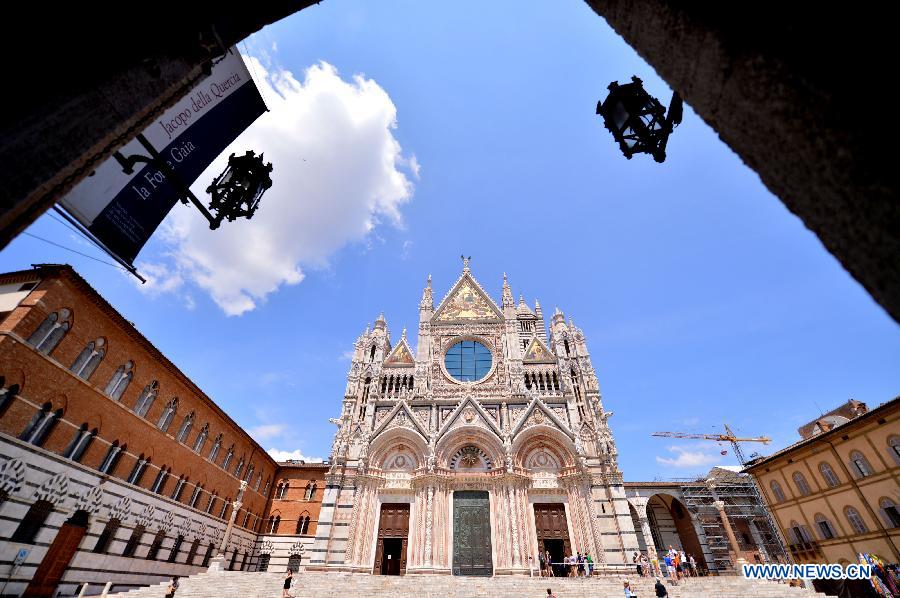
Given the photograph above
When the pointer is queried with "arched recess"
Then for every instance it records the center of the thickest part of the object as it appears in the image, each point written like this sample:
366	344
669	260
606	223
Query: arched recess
483	439
671	524
536	439
388	444
636	521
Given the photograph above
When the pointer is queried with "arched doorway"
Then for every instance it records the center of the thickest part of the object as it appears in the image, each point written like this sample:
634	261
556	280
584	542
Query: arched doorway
671	524
58	556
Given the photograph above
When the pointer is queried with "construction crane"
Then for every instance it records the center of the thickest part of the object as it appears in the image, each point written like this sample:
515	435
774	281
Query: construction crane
728	436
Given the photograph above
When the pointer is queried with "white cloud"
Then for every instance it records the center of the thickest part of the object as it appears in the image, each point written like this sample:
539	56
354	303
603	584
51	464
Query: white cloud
294	455
267	431
336	177
686	458
161	278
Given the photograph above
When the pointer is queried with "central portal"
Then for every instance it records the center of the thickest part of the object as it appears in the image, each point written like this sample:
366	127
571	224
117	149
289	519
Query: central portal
472	533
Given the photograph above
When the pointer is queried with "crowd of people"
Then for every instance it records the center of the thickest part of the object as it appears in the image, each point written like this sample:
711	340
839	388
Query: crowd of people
676	565
574	565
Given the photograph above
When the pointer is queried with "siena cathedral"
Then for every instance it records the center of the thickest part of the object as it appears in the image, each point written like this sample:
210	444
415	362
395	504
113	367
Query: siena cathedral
469	453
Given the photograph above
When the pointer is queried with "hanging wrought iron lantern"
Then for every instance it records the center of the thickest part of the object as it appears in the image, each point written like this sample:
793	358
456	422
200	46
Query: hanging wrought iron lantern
637	120
237	191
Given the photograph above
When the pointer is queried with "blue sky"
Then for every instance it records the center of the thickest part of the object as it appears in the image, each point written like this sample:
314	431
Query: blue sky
471	129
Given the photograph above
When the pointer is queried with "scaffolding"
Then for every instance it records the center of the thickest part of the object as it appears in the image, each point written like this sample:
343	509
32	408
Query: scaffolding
743	503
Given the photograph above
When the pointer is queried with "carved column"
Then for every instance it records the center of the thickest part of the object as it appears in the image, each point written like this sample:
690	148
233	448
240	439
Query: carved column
429	523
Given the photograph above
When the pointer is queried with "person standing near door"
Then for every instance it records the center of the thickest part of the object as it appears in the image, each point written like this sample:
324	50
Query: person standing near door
549	564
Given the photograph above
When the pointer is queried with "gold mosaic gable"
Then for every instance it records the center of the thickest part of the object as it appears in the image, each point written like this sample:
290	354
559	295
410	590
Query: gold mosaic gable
538	353
467	302
400	356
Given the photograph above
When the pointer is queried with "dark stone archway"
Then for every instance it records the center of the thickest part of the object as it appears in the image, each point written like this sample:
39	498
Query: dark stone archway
669	519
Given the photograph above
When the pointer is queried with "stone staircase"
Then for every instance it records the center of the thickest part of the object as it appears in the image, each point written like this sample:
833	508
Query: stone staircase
236	584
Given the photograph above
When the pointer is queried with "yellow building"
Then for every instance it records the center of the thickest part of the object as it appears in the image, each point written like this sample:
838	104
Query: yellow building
836	492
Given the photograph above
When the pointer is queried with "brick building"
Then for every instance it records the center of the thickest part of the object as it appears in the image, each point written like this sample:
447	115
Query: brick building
292	517
114	466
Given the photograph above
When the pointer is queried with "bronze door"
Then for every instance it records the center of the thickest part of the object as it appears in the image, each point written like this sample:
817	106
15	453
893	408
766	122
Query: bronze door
552	531
472	533
393	534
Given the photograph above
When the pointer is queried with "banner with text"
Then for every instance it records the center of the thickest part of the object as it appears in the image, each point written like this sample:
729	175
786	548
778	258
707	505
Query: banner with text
123	210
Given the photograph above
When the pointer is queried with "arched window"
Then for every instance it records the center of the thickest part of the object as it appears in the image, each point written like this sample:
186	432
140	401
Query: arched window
860	465
120	381
32	523
79	443
831	479
266	489
89	358
228	456
112	457
799	534
776	491
107	536
195	495
7	395
894	448
249	473
280	491
225	508
185	428
51	331
372	353
566	345
258	482
207	556
889	513
800	482
214	451
176	546
179	488
246	519
160	482
168	414
137	472
155	546
134	541
856	522
148	395
274	521
201	438
211	503
192	553
41	424
239	468
826	530
310	491
303	523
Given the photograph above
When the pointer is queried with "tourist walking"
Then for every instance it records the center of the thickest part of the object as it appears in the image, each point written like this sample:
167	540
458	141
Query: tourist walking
670	570
287	584
550	593
590	564
580	562
542	562
627	588
549	564
661	591
693	564
645	564
638	564
170	589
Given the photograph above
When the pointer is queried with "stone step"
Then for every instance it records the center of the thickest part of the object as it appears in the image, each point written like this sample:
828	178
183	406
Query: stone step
237	584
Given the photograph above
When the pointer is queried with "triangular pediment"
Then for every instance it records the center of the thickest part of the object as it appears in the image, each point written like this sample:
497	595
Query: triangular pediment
401	416
467	301
538	413
538	352
469	413
401	355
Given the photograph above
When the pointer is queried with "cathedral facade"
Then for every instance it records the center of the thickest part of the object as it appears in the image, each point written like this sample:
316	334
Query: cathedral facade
471	453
